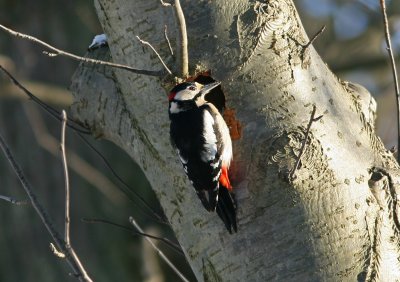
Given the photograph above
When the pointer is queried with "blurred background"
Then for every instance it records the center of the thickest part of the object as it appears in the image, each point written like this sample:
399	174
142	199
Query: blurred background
353	46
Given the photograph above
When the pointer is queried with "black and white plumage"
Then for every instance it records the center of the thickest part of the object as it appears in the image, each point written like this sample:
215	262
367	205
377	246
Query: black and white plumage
201	138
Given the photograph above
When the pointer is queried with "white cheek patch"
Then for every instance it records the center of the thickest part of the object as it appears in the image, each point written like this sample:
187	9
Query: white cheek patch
226	154
210	145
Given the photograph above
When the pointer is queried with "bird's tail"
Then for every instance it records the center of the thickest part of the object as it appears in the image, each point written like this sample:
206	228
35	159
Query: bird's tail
226	208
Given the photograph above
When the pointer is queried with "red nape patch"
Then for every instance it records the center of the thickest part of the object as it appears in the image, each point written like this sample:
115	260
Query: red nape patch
224	178
171	96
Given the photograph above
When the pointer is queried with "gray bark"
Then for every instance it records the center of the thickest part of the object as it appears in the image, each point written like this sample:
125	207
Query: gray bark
336	221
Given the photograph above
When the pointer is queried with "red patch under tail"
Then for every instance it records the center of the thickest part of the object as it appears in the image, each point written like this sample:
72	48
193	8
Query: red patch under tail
224	178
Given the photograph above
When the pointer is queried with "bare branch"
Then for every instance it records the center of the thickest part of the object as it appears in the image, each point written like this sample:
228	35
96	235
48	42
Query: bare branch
50	110
75	162
394	70
128	190
166	38
66	179
315	37
309	43
60	52
13	201
71	256
72	124
154	50
160	253
182	41
292	175
82	272
168	242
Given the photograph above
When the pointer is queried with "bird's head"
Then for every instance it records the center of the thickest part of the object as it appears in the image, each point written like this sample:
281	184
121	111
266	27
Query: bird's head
190	91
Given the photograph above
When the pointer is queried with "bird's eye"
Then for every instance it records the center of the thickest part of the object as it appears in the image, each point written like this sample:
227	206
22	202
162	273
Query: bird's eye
192	88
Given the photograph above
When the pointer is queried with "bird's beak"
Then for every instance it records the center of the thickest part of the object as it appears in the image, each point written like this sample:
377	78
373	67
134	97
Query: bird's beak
208	87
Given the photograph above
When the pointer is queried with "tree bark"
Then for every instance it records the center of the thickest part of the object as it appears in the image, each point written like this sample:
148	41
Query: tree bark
336	221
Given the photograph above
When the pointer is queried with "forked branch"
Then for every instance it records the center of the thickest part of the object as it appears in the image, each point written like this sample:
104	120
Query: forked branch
50	110
292	174
70	255
59	52
155	51
159	252
126	189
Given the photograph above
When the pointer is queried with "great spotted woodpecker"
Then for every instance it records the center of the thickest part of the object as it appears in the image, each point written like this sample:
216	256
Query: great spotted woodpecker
202	141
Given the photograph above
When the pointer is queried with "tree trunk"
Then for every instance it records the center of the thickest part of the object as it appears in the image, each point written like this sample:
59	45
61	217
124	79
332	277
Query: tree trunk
336	221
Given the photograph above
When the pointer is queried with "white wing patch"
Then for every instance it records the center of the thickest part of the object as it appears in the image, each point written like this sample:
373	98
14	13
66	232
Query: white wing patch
226	155
210	145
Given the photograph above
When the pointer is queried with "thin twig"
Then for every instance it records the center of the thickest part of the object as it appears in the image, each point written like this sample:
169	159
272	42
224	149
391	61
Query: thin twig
71	123
303	145
182	41
311	41
166	38
394	70
315	37
75	162
60	52
168	242
66	179
50	110
128	190
13	201
154	50
71	257
159	252
82	272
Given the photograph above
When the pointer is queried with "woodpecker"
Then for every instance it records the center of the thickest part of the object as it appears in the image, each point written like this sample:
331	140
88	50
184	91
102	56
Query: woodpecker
202	141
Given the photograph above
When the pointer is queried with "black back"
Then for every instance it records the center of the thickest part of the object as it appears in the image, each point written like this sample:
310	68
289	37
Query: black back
187	134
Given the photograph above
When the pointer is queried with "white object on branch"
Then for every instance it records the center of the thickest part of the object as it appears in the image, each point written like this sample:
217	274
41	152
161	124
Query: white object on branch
99	40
